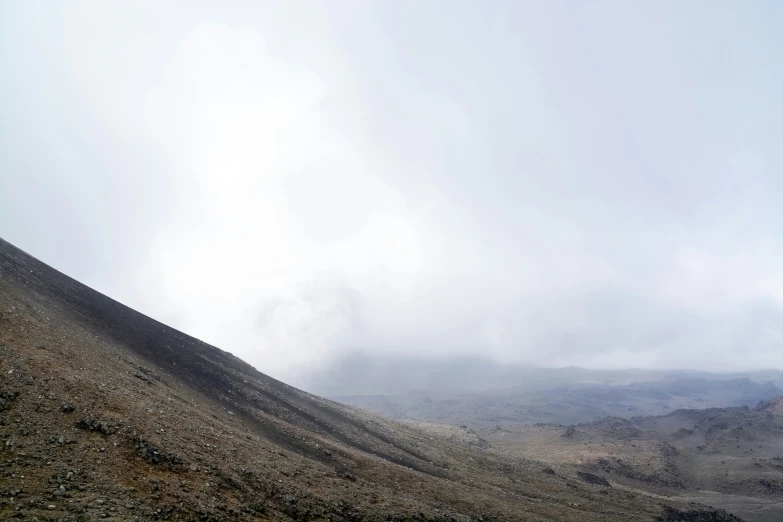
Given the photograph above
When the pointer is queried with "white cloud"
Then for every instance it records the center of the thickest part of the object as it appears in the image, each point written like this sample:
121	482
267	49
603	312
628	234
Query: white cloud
288	181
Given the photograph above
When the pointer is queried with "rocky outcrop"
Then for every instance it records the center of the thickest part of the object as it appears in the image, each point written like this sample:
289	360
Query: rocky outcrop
775	406
671	514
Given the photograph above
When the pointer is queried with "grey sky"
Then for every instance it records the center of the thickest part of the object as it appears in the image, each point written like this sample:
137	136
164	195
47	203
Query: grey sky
589	183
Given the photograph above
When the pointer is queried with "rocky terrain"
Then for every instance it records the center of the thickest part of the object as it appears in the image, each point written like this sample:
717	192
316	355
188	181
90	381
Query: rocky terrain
108	414
690	435
727	457
774	406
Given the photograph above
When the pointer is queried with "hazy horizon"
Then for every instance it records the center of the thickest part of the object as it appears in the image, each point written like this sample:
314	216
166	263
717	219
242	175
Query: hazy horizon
547	183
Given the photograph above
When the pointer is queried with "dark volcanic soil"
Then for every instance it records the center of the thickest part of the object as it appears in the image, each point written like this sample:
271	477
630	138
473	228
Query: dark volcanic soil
108	414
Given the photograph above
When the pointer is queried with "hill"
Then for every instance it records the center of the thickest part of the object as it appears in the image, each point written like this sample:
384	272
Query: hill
108	414
727	457
774	406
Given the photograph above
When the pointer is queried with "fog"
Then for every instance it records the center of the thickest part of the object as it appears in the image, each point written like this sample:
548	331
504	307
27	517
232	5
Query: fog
550	183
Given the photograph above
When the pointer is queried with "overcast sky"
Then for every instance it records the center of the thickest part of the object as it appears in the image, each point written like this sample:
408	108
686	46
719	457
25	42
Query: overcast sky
590	183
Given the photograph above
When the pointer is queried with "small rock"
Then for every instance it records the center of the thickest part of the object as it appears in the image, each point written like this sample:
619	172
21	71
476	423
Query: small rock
51	506
69	475
85	424
67	407
61	440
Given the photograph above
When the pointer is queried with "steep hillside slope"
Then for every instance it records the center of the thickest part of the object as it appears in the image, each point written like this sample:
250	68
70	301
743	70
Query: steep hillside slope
106	413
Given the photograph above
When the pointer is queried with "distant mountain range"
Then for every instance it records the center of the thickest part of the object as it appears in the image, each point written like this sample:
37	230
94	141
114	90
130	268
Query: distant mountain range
479	392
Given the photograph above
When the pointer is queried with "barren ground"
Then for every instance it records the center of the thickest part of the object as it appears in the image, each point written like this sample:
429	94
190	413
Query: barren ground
108	414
